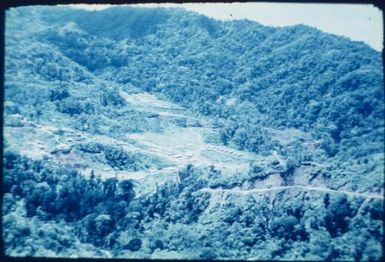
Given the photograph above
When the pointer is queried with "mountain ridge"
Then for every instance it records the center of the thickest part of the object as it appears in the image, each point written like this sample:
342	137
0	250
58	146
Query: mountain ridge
120	136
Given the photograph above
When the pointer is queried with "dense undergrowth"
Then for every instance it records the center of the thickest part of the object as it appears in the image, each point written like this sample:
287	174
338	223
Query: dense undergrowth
106	215
247	79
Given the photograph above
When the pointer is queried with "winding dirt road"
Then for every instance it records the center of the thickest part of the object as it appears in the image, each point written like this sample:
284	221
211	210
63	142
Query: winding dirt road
308	188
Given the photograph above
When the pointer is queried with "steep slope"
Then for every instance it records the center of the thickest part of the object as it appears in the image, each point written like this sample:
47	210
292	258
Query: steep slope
295	77
164	133
297	67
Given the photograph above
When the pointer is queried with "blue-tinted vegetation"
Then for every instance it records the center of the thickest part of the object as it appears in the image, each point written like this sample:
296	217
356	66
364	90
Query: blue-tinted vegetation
307	106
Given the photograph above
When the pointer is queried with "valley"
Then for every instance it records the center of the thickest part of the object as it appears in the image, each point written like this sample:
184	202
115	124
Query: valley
171	135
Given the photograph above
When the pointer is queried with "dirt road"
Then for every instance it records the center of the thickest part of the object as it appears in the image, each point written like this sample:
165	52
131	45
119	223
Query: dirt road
305	188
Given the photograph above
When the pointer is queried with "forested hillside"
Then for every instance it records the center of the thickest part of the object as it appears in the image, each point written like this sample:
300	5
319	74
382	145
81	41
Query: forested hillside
162	133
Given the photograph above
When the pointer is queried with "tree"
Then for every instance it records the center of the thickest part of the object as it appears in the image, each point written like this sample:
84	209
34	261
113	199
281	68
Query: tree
337	216
135	244
110	187
59	93
240	137
127	189
283	227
